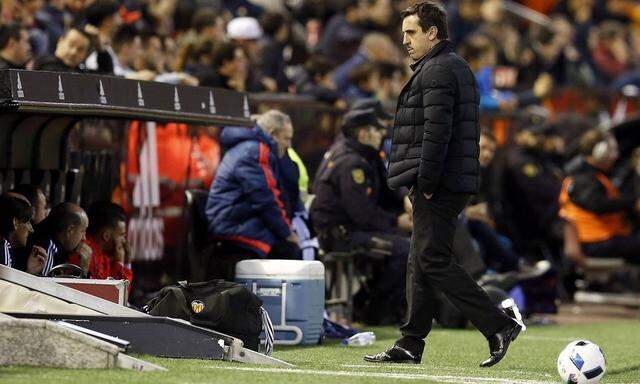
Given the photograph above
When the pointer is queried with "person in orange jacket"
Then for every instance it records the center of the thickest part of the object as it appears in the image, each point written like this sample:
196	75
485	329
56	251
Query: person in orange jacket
591	202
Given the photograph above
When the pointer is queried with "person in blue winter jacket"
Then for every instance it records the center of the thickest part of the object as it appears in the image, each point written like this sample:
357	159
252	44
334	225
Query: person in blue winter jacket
246	209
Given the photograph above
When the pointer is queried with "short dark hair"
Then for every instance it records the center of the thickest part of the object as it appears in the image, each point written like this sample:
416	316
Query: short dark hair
475	46
61	217
225	51
362	72
318	65
104	214
352	132
271	22
8	32
101	10
346	4
203	18
13	208
125	34
30	192
430	15
80	31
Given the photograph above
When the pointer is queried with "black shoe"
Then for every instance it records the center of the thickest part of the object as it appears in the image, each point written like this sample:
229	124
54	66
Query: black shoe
394	354
499	343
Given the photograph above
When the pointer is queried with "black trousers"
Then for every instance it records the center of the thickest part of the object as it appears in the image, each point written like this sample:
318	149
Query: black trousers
431	268
388	284
385	300
627	247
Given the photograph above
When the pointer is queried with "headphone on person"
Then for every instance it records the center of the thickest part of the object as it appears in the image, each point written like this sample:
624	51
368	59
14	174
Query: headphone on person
602	150
598	144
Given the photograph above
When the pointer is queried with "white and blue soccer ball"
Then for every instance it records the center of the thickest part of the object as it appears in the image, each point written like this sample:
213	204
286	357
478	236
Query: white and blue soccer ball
581	362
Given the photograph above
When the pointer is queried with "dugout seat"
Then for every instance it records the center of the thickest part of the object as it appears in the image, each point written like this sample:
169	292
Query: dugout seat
345	271
596	271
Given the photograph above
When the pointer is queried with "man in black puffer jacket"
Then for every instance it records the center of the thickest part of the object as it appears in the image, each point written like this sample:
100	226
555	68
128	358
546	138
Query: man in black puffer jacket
435	153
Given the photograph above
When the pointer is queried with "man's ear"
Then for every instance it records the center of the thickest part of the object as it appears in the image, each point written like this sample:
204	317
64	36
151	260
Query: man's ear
106	235
70	230
11	43
432	33
16	223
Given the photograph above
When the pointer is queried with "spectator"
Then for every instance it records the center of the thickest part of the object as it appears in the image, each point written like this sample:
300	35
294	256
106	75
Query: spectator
36	198
270	61
207	30
153	63
315	80
245	32
375	48
38	40
60	234
379	14
611	53
103	22
344	32
209	25
106	237
71	51
15	50
364	82
15	226
230	68
482	57
127	46
51	20
197	61
244	208
465	18
153	56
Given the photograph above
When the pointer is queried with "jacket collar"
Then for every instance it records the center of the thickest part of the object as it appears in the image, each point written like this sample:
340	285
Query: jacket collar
443	45
364	150
586	167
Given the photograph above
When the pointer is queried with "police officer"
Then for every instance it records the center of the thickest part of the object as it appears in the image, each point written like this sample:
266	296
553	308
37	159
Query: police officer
531	187
347	211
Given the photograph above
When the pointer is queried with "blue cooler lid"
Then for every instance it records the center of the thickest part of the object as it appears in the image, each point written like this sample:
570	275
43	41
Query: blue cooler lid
280	269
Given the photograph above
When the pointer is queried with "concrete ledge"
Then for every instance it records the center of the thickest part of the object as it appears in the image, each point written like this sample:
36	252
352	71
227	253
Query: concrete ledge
44	343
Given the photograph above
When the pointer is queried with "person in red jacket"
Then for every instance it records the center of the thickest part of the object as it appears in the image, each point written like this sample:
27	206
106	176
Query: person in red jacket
106	237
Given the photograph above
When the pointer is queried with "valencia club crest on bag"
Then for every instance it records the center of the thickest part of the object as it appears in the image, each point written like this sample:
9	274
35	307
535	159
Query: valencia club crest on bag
197	306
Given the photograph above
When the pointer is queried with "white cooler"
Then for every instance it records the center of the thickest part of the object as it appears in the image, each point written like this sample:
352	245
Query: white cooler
292	292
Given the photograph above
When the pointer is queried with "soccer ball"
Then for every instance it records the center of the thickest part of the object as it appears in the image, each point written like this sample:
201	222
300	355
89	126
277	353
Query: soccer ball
581	362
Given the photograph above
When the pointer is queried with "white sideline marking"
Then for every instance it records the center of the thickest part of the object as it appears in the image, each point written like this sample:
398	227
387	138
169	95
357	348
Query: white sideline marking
389	375
424	368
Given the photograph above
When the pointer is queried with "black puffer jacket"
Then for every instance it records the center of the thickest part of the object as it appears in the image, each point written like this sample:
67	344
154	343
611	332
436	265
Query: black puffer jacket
436	130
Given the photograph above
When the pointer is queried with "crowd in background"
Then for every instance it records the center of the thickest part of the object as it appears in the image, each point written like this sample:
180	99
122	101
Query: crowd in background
335	51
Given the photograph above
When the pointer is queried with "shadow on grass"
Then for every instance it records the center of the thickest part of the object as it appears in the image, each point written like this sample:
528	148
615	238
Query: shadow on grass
325	343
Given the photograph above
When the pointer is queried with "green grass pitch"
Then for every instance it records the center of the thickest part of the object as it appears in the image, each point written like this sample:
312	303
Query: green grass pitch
451	356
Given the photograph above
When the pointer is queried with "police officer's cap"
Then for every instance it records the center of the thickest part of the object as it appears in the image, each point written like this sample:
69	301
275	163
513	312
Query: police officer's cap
535	120
371	103
360	118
